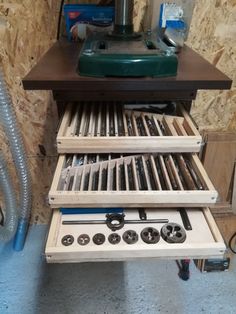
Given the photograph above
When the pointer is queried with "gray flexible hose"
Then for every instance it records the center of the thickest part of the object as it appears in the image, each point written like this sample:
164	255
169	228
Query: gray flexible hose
9	123
8	230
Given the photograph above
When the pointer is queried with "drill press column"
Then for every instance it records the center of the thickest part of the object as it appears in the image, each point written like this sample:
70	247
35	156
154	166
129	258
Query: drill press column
124	17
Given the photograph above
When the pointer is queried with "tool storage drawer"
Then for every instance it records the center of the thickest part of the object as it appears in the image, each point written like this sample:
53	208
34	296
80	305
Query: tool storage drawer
149	180
110	128
89	237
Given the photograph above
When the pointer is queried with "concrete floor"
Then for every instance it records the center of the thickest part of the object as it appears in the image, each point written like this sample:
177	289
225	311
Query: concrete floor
29	286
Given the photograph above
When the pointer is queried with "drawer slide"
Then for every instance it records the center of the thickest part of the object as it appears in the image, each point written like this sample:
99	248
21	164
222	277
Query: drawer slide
149	180
69	241
110	128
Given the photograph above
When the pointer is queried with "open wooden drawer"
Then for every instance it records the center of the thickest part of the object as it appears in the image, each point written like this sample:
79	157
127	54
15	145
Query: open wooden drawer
149	180
70	241
110	128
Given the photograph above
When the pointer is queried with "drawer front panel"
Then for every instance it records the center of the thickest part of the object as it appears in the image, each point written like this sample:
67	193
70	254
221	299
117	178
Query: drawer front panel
68	242
149	180
110	128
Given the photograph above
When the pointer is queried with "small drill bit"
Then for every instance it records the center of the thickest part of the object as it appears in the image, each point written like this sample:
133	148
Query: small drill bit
104	180
141	175
185	172
129	126
151	126
141	129
122	178
159	171
131	178
71	183
121	129
95	181
194	175
150	173
114	179
170	173
86	182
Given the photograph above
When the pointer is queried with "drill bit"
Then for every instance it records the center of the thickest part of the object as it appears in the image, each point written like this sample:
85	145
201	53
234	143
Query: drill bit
151	126
122	178
131	178
95	181
129	126
141	129
150	173
104	180
86	182
141	175
170	173
185	172
194	175
159	171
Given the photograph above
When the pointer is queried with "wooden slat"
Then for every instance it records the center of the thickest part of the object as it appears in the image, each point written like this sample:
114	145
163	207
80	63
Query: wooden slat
134	123
155	173
125	122
165	173
188	123
65	121
179	128
134	174
169	127
175	172
201	172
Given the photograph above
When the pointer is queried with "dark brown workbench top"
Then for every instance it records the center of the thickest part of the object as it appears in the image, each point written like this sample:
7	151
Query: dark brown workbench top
57	71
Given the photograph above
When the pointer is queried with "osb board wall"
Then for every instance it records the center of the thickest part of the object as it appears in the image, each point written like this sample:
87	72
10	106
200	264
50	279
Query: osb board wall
212	34
27	30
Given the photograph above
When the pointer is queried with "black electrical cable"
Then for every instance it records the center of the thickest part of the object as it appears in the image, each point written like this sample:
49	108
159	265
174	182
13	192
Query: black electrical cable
231	243
59	19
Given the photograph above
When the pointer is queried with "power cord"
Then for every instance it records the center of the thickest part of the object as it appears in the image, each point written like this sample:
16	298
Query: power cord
231	243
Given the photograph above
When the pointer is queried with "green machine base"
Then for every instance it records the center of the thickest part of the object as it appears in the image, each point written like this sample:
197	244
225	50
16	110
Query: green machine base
105	56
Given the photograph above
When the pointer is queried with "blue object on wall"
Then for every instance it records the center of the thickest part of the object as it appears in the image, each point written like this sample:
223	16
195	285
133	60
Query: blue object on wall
87	13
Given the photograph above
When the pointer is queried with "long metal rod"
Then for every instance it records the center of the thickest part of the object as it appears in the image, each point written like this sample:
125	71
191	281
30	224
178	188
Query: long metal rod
102	222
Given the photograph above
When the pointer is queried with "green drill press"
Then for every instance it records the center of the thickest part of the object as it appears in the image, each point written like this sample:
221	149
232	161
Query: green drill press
124	53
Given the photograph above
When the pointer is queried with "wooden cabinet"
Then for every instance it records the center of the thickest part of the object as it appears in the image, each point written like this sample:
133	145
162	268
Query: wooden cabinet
165	156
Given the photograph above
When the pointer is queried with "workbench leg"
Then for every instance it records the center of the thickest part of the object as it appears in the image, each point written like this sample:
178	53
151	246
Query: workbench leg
183	266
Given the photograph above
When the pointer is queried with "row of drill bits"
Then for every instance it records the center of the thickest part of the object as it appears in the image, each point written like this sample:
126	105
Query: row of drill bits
143	173
101	120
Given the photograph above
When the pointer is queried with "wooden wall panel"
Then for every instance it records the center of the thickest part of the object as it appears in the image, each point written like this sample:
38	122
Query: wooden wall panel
212	34
219	160
27	30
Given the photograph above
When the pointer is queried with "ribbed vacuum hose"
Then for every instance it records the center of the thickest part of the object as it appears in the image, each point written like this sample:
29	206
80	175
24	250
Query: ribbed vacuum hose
7	231
9	123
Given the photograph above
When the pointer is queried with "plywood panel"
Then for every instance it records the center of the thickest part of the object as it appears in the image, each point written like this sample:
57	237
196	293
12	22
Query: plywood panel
219	159
212	34
27	30
227	226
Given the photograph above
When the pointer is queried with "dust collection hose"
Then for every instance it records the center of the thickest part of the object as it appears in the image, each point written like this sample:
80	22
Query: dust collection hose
9	123
7	231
